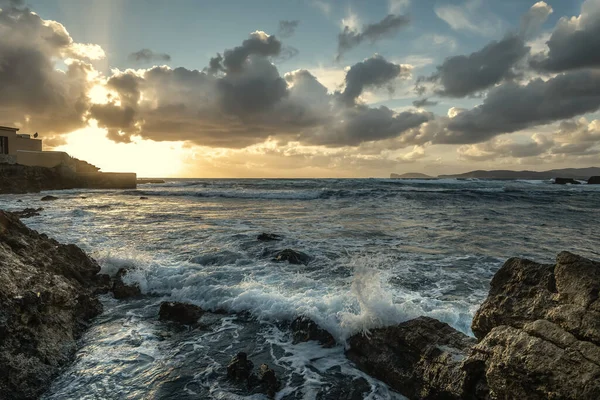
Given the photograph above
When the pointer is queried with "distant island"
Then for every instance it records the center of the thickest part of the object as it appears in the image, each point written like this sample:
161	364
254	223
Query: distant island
573	173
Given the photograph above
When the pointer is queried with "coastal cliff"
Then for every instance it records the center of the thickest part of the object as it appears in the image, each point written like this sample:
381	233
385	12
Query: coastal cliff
538	338
47	298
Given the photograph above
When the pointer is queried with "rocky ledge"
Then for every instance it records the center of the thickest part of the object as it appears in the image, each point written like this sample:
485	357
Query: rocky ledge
537	337
47	297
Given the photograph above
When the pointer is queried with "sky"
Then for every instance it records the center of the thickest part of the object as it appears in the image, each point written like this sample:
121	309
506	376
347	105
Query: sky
305	88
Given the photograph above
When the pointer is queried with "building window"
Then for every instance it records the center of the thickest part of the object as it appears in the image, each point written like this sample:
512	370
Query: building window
3	145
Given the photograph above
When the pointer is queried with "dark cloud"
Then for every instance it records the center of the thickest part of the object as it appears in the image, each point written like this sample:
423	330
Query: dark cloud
34	94
246	106
574	43
387	27
259	43
362	124
422	103
375	71
512	107
460	76
147	55
287	28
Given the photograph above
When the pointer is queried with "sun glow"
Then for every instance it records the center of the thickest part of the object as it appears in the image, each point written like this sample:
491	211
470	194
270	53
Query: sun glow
145	157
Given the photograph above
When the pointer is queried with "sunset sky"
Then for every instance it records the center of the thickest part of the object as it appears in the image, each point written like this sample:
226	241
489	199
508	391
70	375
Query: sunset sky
305	88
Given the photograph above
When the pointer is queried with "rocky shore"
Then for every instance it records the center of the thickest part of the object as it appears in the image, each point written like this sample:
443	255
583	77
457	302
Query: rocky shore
47	297
537	335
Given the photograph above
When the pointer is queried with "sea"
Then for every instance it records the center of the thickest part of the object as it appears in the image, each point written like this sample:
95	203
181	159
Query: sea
382	252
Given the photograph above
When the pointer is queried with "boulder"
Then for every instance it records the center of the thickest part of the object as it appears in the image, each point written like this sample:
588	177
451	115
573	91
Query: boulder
121	290
47	299
268	381
422	359
594	180
564	181
540	330
268	237
49	198
182	313
240	368
304	329
143	198
292	256
28	212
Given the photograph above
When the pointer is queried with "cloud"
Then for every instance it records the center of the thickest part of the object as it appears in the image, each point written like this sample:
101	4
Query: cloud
512	107
466	17
574	43
258	43
422	103
387	27
287	28
35	94
577	137
464	75
375	71
533	20
460	76
241	100
147	55
504	148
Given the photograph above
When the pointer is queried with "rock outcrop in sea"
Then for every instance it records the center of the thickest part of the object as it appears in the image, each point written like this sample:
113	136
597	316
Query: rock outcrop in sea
538	337
47	298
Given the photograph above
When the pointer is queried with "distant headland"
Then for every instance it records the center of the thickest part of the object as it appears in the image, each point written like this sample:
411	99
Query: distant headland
572	173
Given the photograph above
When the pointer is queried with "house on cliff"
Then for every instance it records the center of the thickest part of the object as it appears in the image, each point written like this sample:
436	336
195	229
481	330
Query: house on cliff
11	142
20	150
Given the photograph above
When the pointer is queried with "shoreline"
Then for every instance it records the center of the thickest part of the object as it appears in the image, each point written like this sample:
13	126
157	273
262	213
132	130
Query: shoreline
445	361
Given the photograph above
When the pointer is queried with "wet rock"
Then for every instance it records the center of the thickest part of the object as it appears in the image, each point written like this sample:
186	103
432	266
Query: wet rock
594	180
47	298
28	212
268	380
304	329
143	198
268	237
121	290
49	198
182	313
292	256
540	330
421	358
358	389
564	181
240	368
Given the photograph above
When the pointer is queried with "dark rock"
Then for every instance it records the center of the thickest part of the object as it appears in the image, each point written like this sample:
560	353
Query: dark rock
422	359
240	368
182	313
540	330
49	198
28	212
292	256
564	181
24	179
304	329
47	298
268	380
268	237
143	198
123	291
143	181
594	180
357	390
